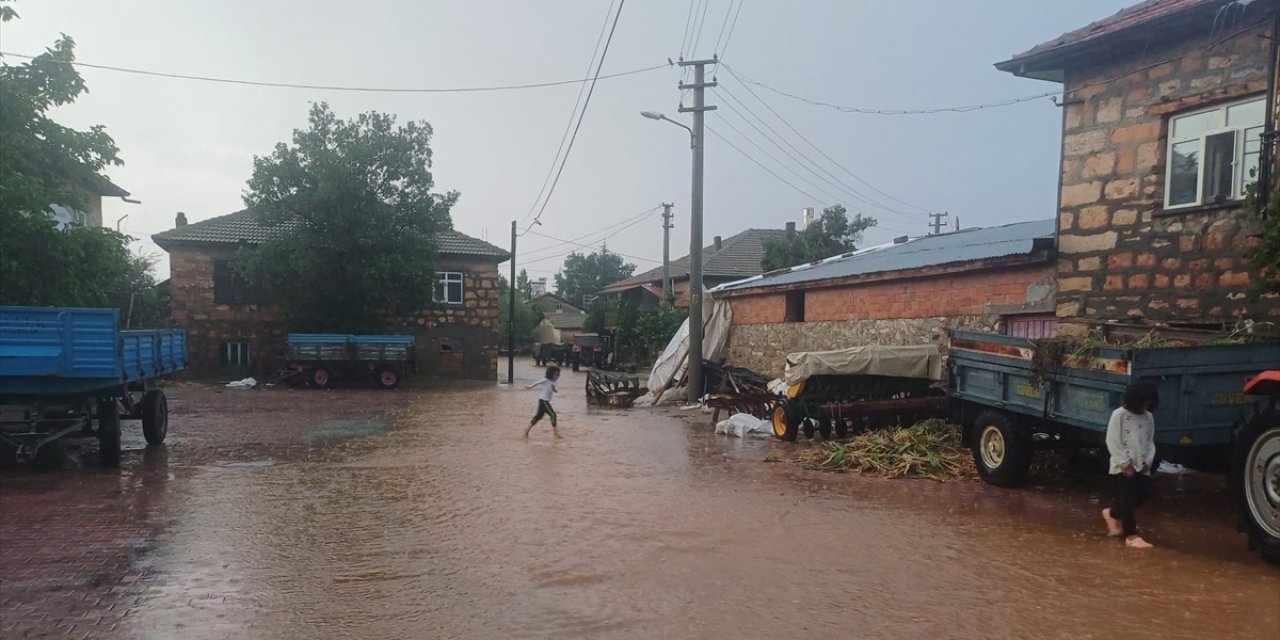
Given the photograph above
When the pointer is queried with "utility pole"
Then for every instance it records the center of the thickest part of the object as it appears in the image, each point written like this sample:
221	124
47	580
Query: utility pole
937	222
511	312
667	294
698	110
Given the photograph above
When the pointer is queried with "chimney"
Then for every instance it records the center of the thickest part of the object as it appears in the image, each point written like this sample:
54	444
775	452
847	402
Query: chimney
719	243
806	215
791	229
181	220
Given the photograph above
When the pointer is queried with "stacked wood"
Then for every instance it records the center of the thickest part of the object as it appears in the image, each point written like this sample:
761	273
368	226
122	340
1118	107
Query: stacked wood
613	389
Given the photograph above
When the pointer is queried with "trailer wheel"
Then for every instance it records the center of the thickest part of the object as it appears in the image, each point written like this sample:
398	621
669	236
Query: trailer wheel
388	378
1001	449
1255	482
786	424
842	428
824	428
108	433
806	427
155	416
320	378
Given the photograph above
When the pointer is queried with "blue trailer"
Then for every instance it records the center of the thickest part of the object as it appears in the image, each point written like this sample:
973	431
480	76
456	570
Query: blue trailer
1209	417
66	371
316	359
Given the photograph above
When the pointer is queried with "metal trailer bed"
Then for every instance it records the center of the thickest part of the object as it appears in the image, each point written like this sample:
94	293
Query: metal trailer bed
65	370
317	358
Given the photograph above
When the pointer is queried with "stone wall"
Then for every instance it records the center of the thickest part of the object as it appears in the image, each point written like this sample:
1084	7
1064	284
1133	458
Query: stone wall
1121	255
460	340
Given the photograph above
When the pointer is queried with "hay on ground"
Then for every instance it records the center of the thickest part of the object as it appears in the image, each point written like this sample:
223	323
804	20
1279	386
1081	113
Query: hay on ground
930	449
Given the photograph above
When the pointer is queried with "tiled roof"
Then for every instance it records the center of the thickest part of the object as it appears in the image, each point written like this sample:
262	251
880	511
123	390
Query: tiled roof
242	227
738	257
1044	60
1020	238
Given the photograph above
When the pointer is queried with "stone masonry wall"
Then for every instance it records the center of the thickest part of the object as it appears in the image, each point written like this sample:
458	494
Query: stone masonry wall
460	340
1120	255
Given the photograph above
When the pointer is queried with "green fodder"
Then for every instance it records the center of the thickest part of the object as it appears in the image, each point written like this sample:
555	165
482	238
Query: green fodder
929	449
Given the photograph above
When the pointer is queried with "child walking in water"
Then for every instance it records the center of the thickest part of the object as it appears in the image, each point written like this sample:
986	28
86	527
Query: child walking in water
1131	442
544	401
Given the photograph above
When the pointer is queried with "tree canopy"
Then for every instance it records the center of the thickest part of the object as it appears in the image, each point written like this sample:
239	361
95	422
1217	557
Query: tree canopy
354	221
43	164
830	235
586	274
1265	256
528	314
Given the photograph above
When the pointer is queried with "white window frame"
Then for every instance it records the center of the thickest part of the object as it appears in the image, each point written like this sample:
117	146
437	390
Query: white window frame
1237	162
443	280
236	353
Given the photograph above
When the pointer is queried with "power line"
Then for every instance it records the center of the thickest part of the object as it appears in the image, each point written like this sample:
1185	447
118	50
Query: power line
288	85
693	51
688	23
581	115
625	224
720	55
586	246
767	169
830	197
727	12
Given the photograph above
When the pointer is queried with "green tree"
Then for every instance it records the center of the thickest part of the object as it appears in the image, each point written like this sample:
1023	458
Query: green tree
353	221
1265	256
42	164
586	274
830	235
528	313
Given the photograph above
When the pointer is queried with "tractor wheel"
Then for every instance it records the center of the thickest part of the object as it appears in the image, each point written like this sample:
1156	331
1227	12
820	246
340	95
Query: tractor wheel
388	378
786	425
1255	482
320	378
1001	449
108	433
155	416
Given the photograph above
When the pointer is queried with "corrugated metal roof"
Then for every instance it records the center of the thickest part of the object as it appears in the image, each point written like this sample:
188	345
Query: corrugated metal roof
739	256
243	227
949	248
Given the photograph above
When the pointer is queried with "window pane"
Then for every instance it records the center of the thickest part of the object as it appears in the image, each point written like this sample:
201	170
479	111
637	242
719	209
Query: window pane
1253	140
1219	156
1193	124
455	292
1246	115
1184	173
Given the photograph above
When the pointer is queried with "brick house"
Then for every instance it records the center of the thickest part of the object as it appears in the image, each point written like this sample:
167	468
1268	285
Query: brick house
1164	107
232	324
725	260
95	189
908	292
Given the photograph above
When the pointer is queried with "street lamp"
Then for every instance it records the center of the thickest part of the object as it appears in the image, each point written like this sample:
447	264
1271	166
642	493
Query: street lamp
693	138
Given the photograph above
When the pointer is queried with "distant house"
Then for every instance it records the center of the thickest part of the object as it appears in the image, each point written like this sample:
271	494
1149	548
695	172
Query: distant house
725	260
91	215
1164	109
908	292
561	320
233	324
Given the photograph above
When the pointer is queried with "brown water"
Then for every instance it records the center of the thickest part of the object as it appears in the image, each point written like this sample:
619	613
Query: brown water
447	525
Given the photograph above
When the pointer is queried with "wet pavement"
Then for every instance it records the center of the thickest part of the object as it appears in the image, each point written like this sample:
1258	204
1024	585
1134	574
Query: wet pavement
420	513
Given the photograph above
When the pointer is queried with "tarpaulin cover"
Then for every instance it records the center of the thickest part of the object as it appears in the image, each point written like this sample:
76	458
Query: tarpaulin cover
917	361
671	365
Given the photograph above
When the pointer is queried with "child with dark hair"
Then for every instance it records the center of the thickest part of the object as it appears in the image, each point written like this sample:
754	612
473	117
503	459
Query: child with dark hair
1131	443
544	401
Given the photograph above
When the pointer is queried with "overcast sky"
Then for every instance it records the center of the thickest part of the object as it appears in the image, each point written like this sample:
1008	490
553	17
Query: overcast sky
188	146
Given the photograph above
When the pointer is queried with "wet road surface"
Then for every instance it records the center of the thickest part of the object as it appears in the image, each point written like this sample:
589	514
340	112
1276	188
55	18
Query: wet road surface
421	514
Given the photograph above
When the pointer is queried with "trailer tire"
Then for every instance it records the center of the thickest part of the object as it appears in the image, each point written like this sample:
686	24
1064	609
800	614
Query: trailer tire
786	424
824	428
388	378
1255	482
842	428
320	378
155	416
1001	449
806	427
108	433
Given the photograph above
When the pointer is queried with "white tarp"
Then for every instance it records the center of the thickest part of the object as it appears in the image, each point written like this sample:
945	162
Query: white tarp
916	361
671	365
743	425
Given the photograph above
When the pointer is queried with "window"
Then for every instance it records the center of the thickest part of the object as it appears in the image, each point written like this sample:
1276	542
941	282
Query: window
559	307
449	288
229	287
795	306
235	354
1213	153
1032	327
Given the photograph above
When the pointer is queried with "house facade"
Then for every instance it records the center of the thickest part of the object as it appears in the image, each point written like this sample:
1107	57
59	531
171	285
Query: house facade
233	325
1164	111
911	292
561	320
90	213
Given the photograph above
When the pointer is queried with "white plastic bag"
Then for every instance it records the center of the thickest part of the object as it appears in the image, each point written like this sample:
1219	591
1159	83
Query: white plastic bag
744	424
247	383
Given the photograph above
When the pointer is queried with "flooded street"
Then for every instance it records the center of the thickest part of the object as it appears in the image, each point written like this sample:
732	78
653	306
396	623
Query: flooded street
421	514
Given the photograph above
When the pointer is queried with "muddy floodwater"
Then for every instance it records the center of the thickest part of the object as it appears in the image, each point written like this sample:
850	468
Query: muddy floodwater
421	514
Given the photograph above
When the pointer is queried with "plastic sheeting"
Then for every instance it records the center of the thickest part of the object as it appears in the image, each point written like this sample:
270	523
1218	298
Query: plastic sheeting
670	366
916	361
743	425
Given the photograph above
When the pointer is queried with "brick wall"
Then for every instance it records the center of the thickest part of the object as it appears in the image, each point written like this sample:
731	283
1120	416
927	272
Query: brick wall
898	310
1121	256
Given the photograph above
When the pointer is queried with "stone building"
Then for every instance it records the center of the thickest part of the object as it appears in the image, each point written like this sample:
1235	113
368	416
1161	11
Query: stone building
909	292
1164	107
233	325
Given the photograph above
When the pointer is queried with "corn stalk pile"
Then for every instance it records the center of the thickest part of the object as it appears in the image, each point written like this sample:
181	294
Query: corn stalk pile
929	449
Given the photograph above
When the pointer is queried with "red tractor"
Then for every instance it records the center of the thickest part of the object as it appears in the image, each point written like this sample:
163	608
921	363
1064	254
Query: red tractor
1255	468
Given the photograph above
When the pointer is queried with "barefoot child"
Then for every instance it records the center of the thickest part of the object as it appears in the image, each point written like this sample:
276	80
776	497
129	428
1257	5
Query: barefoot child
544	402
1131	443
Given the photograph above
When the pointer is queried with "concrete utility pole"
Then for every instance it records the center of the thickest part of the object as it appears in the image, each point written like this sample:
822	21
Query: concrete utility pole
699	108
667	294
937	221
511	313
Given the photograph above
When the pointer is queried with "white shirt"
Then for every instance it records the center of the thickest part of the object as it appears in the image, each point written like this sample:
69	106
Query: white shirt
548	388
1131	440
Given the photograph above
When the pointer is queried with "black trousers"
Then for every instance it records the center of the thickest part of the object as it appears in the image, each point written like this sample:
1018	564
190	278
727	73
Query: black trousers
1131	492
